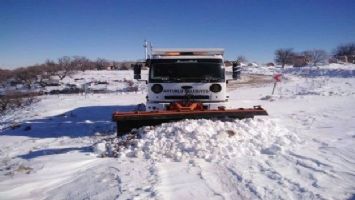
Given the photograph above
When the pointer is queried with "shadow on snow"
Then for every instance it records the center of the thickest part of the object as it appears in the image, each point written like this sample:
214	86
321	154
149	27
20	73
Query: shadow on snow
83	121
46	152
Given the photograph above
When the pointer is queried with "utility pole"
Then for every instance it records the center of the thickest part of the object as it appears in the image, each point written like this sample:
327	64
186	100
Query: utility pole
146	49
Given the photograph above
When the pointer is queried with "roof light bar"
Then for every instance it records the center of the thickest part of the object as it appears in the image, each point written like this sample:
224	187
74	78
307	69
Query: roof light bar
187	52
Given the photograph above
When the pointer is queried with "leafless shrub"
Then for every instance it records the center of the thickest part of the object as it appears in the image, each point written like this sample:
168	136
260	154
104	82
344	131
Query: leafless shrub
14	100
26	76
102	64
128	82
115	65
39	74
131	87
43	73
125	66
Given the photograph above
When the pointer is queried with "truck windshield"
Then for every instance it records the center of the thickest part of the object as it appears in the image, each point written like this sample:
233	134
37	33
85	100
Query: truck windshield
186	71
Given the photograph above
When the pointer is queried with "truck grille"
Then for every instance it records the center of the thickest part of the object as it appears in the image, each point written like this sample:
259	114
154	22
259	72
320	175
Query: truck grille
191	97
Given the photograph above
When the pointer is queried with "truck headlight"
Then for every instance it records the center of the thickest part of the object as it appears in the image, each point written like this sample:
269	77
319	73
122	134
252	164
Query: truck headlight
215	88
157	88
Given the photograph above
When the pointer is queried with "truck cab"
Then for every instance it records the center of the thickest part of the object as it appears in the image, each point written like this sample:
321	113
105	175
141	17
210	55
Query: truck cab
181	75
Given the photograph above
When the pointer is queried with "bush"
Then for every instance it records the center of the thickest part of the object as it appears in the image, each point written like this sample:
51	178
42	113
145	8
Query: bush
4	75
16	100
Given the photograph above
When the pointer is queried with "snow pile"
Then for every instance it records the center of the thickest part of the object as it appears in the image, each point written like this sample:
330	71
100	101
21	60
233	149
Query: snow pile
206	139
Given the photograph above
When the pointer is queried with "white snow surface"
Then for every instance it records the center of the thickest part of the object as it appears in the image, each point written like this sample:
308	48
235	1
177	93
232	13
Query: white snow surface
64	146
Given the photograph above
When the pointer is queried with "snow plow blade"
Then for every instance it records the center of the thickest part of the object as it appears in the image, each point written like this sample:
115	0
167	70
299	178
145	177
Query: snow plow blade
126	121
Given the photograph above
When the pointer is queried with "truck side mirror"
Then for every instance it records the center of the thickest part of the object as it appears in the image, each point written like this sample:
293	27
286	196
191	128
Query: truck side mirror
137	71
236	71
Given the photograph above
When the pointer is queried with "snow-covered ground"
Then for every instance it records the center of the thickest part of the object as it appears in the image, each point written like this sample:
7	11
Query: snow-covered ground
65	146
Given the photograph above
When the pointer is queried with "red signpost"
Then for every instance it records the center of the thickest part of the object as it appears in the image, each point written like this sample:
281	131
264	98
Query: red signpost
277	78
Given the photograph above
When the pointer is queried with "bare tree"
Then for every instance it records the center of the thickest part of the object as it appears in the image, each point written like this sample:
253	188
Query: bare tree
64	67
345	50
51	68
316	56
284	56
102	64
82	63
90	65
241	59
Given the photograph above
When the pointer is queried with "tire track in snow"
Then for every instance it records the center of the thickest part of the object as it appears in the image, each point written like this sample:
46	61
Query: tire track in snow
286	184
240	179
223	181
181	180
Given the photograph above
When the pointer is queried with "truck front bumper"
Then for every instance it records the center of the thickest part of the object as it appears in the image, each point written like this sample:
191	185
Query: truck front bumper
162	106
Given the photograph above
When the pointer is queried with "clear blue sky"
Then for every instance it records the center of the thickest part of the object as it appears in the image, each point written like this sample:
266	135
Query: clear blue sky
33	30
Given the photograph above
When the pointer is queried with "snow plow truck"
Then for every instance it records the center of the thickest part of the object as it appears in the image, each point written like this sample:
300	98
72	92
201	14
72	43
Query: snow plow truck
183	84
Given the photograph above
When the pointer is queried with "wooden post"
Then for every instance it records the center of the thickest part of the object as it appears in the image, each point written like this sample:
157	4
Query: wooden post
273	89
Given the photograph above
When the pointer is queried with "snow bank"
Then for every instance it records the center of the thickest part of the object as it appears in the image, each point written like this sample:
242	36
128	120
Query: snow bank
331	70
320	86
105	80
206	139
265	70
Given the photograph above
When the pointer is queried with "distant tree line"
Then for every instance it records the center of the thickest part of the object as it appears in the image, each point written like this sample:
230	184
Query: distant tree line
286	56
63	67
42	74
